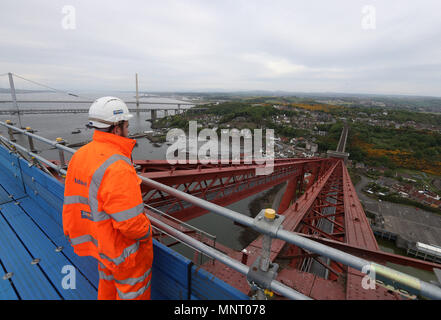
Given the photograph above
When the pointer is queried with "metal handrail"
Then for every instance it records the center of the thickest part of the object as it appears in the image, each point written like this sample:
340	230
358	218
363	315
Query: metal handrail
424	288
34	155
225	259
193	243
186	225
55	144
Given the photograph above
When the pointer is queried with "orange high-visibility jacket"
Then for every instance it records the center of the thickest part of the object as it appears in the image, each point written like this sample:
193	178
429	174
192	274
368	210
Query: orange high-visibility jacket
103	211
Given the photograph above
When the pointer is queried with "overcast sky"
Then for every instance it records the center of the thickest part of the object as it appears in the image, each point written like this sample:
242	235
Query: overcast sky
307	46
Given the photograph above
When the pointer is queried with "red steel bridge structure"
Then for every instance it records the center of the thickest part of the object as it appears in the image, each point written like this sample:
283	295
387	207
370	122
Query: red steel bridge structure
319	202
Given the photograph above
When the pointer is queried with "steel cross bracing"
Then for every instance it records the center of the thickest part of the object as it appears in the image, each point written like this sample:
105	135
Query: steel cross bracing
319	203
220	184
326	208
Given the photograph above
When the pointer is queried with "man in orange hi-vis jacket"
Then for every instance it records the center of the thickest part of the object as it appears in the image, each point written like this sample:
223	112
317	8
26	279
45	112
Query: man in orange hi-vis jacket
103	211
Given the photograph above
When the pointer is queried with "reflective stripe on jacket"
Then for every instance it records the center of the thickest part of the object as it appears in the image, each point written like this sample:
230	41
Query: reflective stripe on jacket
103	211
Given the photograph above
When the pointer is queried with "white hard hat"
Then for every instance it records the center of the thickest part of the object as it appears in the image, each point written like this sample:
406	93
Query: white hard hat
107	111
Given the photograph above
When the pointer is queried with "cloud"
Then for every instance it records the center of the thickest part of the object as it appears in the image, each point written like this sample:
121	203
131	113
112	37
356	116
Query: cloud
231	45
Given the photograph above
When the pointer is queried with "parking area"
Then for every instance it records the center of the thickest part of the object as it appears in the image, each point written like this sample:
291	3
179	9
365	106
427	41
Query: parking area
411	223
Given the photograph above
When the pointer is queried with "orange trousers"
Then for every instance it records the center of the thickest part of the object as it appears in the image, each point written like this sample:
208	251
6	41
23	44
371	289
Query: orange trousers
125	284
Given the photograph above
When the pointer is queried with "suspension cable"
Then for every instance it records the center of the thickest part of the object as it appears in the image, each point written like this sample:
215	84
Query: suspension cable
51	88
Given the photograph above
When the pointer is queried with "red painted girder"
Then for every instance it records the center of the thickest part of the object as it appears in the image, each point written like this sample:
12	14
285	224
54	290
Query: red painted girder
311	285
326	216
238	175
358	230
298	210
165	165
220	175
254	249
376	256
294	215
191	176
222	189
193	212
327	235
289	169
358	233
288	196
180	176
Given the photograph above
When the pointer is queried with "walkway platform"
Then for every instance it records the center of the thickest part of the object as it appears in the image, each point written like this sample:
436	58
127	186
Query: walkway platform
37	262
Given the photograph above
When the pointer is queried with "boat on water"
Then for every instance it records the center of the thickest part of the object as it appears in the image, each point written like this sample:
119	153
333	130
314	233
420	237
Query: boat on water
76	131
137	135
